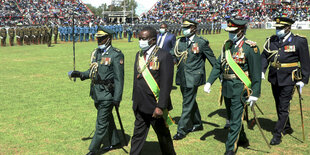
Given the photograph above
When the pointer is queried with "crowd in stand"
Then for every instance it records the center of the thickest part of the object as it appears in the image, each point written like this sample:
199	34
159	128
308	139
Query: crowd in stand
42	12
208	10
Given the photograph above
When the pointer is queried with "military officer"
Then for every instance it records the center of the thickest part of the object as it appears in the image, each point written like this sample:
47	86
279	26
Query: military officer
11	35
239	58
49	35
107	79
190	53
129	32
282	53
3	35
153	78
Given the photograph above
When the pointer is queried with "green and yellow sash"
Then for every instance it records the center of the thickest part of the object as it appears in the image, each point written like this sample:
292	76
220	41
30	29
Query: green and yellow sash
237	70
154	87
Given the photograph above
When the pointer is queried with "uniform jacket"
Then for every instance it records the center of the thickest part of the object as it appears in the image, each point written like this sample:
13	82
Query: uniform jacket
191	72
142	96
111	66
250	62
294	49
169	41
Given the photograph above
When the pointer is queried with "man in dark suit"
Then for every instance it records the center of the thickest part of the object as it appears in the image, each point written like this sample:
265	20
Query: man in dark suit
165	39
282	53
153	77
106	89
190	54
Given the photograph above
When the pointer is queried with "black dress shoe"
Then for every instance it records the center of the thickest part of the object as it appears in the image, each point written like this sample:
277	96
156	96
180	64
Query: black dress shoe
178	136
243	143
91	153
275	141
112	147
229	152
288	131
199	128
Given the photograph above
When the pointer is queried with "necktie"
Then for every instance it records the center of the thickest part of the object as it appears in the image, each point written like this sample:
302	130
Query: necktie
158	43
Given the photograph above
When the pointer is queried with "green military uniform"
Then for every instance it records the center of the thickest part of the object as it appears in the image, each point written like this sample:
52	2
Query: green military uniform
19	34
190	54
43	34
246	54
49	36
11	35
27	35
55	34
3	35
107	75
33	35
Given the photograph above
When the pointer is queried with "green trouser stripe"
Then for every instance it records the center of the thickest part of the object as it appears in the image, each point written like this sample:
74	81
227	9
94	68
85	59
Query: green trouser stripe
237	70
154	88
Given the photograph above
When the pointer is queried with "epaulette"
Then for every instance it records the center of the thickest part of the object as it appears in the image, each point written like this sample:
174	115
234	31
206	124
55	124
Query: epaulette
117	50
298	35
251	43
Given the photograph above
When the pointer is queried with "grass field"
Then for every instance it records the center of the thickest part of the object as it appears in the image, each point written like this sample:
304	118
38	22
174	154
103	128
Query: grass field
43	112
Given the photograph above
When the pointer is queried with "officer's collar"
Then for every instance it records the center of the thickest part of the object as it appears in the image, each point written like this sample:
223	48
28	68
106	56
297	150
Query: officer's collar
287	36
105	51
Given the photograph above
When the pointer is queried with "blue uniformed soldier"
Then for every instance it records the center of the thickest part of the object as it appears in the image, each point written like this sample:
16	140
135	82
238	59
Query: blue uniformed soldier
107	79
61	33
287	56
81	33
86	32
66	31
129	33
70	32
92	32
76	33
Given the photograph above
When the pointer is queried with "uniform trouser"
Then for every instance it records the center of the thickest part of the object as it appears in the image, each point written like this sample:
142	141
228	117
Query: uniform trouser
81	37
120	34
76	37
282	96
105	126
55	38
129	37
190	111
3	42
87	37
234	109
142	126
12	41
66	37
71	37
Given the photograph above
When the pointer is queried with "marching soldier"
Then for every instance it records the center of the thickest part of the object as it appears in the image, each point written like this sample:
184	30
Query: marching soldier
3	35
19	34
190	54
26	36
49	33
43	34
86	32
81	31
33	34
282	53
11	35
239	65
107	79
55	34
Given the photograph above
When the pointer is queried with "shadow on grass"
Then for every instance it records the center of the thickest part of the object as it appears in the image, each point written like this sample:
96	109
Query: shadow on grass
219	134
220	112
266	124
151	148
177	119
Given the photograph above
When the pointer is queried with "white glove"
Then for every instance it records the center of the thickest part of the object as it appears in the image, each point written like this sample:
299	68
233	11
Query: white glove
263	75
207	87
300	84
252	100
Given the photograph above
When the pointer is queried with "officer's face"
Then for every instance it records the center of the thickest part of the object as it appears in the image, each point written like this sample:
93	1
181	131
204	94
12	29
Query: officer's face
102	40
163	26
145	35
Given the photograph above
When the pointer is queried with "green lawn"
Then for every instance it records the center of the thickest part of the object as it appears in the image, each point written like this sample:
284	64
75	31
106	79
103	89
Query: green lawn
43	112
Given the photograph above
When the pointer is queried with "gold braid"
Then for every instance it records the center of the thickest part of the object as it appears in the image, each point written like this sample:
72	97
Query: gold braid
178	54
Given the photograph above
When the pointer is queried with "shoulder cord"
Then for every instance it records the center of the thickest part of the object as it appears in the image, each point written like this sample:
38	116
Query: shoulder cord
268	50
178	54
93	67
